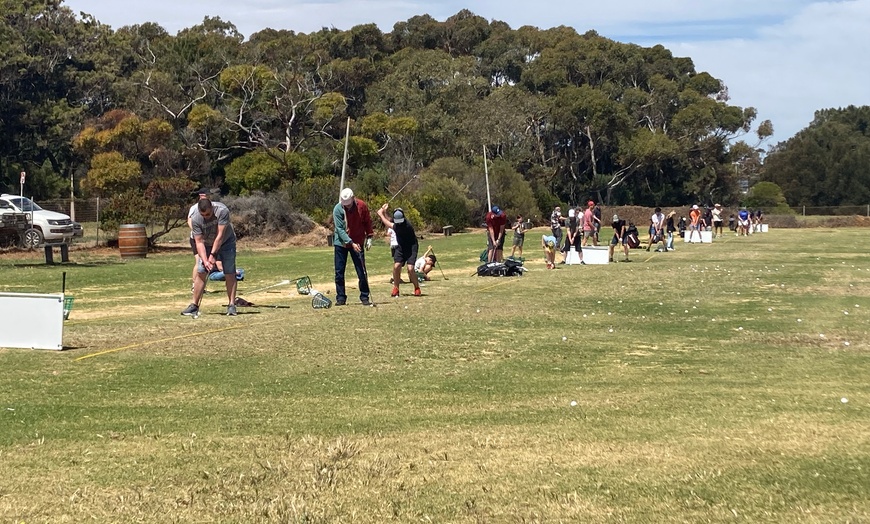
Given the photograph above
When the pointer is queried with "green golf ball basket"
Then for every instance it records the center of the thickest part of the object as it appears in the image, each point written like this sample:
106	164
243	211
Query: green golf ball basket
67	306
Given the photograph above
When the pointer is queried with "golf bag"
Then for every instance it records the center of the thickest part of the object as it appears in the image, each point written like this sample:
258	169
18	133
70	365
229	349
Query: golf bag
632	240
510	268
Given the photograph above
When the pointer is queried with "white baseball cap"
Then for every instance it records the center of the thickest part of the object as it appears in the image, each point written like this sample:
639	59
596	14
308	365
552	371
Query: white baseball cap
346	196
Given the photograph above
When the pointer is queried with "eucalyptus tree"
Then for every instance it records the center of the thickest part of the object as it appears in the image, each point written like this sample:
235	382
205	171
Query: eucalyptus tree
55	71
827	163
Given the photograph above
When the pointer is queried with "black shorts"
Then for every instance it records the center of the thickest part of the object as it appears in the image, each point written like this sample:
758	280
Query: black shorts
405	255
193	246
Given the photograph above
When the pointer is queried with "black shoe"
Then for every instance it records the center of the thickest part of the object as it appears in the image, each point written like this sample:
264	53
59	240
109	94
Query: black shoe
366	302
626	260
341	302
583	263
191	311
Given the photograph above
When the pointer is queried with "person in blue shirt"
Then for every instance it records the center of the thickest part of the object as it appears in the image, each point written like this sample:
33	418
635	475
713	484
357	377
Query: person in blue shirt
548	243
744	222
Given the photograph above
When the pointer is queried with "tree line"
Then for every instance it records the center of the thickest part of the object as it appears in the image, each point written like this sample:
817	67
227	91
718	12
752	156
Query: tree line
142	118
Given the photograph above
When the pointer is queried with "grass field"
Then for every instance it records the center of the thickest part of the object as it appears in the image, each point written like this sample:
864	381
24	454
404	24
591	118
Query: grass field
717	383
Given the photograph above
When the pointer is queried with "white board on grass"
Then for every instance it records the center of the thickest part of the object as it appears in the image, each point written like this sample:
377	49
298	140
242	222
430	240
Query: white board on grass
596	255
33	321
706	237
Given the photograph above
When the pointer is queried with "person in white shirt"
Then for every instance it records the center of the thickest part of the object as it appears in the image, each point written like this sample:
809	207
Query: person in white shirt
657	230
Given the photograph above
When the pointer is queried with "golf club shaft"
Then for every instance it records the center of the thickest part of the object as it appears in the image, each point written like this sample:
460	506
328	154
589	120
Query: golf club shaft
441	270
282	283
400	189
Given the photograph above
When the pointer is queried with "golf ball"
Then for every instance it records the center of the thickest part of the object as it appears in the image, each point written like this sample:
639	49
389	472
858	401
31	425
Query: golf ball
574	403
564	339
844	400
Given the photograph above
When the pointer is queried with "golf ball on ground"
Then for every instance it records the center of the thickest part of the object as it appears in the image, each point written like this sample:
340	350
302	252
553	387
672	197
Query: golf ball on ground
574	403
843	400
564	339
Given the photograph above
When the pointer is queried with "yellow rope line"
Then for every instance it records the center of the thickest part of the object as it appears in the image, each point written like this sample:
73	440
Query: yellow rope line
170	339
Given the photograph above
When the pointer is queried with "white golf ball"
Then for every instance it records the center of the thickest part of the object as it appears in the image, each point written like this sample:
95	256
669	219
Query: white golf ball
564	339
574	403
799	320
406	307
846	343
478	311
844	400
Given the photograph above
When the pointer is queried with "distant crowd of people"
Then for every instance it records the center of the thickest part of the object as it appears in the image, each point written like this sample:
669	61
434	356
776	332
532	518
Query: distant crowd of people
583	225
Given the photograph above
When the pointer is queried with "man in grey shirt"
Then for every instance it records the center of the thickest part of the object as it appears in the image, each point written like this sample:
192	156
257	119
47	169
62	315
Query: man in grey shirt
215	240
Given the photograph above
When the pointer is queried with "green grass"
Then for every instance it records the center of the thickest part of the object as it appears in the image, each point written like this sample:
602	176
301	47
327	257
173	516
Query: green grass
707	402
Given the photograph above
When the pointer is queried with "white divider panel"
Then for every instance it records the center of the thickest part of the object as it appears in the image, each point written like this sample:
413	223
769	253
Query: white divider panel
595	255
572	257
706	237
32	321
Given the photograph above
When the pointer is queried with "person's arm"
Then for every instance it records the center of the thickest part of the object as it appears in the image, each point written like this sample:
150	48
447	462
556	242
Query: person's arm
387	222
340	221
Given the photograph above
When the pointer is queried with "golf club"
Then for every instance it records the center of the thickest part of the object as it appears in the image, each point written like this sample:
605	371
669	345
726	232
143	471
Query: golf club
441	270
366	274
401	188
282	283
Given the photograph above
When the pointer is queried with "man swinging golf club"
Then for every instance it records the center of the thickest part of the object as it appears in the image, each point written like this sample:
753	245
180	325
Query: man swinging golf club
215	240
353	234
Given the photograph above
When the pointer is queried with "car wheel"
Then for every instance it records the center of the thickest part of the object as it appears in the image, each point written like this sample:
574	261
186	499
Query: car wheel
32	238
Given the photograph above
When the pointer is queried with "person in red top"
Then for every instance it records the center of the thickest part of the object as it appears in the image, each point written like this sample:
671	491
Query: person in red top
496	220
589	221
694	222
353	235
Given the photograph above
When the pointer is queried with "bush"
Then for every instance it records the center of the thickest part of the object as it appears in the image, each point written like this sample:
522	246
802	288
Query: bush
272	216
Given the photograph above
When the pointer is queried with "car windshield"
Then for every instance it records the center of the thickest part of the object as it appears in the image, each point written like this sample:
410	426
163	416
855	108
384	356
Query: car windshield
24	204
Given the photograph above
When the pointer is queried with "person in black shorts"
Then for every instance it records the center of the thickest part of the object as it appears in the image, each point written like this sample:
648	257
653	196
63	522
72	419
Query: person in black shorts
620	232
405	253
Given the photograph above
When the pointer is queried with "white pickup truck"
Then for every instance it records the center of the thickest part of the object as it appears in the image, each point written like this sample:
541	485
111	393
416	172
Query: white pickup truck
44	226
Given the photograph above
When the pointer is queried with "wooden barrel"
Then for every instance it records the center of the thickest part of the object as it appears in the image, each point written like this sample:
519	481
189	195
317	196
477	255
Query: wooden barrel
132	241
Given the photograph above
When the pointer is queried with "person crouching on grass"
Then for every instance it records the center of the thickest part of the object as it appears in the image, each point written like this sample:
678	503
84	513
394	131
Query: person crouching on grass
548	242
405	253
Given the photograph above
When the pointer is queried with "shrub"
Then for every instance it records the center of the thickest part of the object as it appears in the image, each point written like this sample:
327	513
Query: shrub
272	216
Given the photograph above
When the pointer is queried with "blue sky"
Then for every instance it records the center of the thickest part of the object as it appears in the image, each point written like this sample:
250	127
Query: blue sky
787	58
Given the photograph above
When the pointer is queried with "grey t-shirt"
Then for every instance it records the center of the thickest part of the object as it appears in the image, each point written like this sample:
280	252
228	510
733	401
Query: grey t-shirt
208	228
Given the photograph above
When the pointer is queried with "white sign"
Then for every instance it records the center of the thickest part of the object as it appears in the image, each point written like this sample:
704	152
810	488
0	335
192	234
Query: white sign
32	321
23	176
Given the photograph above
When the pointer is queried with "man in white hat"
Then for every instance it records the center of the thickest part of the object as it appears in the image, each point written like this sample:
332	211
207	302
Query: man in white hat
353	234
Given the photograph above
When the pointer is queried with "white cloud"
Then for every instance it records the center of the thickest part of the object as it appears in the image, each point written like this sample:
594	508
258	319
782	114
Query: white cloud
816	59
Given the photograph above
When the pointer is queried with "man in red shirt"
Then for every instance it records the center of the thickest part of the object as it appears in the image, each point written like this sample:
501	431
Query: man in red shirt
353	234
496	220
589	228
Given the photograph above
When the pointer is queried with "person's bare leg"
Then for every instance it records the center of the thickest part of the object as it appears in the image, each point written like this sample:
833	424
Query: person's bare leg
232	285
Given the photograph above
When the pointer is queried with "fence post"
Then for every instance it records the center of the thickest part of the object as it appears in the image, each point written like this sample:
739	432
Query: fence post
98	223
805	211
